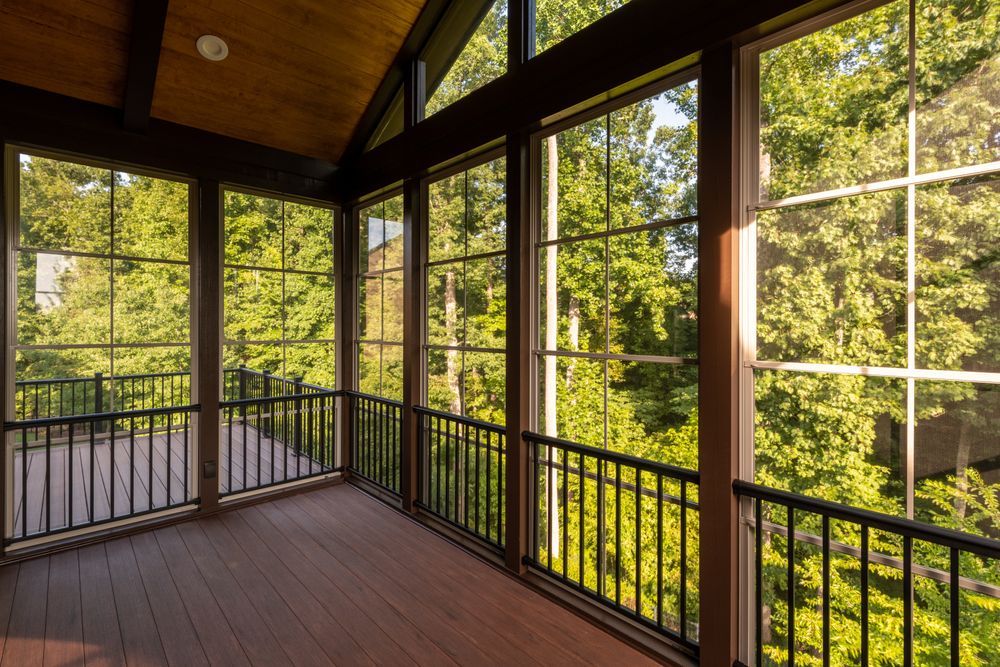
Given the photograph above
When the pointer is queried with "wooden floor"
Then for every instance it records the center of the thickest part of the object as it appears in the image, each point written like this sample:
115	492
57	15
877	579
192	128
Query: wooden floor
144	477
325	577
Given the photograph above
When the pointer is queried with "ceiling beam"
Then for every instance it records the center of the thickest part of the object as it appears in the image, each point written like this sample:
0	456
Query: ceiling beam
148	20
631	44
36	118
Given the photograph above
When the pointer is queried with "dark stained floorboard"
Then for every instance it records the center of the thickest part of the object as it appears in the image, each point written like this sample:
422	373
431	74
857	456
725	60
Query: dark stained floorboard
325	577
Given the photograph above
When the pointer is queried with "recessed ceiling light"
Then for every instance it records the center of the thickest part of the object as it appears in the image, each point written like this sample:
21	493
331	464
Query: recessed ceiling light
212	47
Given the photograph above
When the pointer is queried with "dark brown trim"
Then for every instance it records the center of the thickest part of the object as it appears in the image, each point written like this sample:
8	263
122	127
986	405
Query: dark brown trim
346	255
35	118
148	20
414	226
649	36
207	337
718	321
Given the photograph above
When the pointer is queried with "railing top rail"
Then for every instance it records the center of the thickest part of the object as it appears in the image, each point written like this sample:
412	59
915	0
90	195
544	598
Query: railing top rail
923	532
371	397
468	421
90	378
284	398
98	417
675	472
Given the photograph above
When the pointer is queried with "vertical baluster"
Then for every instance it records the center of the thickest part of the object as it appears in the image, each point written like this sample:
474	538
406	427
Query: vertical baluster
954	600
759	579
489	484
659	551
24	482
111	476
548	507
500	494
438	465
618	534
864	596
48	479
582	481
683	563
170	465
90	509
69	464
150	471
791	586
186	470
479	436
465	477
826	591
447	469
536	500
131	460
599	558
229	452
907	601
638	543
257	407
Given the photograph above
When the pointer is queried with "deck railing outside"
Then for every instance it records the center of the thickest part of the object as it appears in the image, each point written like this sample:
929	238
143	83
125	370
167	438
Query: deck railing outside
461	471
87	469
876	548
376	437
619	530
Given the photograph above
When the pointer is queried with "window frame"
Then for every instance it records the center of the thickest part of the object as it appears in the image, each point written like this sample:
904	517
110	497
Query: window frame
536	352
334	274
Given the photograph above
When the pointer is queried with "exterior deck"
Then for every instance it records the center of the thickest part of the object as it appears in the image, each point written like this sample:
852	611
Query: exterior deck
329	576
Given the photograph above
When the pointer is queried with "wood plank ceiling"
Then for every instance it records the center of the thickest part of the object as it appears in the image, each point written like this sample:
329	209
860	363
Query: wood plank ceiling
298	77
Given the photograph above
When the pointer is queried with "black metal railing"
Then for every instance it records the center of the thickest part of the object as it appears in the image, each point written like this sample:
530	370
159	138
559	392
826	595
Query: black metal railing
80	470
461	472
927	569
618	529
376	437
267	439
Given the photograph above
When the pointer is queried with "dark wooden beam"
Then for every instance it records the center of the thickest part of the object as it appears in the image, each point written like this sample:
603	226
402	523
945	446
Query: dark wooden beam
148	20
718	354
207	332
38	118
633	43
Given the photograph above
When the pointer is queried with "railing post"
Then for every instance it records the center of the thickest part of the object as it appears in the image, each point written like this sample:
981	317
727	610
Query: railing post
297	428
207	334
99	399
718	399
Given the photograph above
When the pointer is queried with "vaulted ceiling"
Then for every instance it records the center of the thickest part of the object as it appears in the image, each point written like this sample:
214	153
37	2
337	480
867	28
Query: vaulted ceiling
299	75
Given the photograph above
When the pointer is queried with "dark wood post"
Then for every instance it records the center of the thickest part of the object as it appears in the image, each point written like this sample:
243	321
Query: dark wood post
718	401
207	284
345	253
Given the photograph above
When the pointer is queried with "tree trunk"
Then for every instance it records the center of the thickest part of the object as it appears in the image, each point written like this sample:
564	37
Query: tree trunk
552	337
962	469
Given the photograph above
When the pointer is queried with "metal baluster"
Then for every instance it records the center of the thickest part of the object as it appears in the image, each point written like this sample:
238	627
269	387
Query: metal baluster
683	563
791	586
659	551
638	543
864	596
907	601
826	591
954	600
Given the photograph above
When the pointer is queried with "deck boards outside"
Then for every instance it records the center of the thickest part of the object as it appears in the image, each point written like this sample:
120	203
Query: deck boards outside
325	577
261	461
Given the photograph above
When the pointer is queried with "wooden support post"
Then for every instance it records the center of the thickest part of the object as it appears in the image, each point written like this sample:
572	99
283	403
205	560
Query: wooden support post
345	253
413	224
718	292
519	340
207	285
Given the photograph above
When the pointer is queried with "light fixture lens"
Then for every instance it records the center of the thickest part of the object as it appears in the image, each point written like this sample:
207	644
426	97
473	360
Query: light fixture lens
212	47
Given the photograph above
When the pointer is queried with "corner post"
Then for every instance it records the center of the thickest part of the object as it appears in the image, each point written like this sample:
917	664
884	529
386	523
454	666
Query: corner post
718	353
208	328
345	253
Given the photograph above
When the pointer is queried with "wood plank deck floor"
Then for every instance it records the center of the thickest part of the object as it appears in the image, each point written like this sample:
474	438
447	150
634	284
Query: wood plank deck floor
325	577
139	485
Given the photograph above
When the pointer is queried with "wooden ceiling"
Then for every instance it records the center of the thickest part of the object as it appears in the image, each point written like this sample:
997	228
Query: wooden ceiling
299	75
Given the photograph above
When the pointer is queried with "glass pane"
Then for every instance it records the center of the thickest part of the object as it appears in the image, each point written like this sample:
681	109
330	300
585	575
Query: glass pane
308	238
482	59
392	307
574	181
654	158
653	411
315	363
64	206
572	399
152	377
63	300
392	372
370	231
444	380
394	233
555	20
571	296
833	105
484	386
446	218
831	282
653	292
486	302
958	84
488	207
956	455
255	358
75	396
835	437
370	308
446	304
369	365
309	307
151	217
252	305
253	230
152	302
958	275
